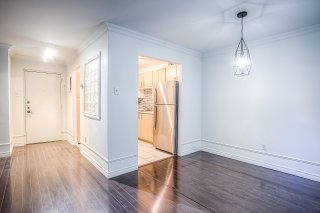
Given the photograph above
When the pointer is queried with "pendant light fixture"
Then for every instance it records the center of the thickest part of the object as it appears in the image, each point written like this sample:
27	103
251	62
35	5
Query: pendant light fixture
242	61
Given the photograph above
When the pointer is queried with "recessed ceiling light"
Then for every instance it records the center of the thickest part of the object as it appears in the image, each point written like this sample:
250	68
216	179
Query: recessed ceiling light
49	54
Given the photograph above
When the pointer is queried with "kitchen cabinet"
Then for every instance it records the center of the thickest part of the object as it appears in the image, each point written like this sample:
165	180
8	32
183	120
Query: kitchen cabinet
140	81
139	125
162	75
159	76
171	73
145	80
155	77
149	121
145	126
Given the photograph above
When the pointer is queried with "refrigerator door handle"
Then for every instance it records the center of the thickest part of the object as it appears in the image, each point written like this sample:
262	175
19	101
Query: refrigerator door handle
155	95
155	117
155	109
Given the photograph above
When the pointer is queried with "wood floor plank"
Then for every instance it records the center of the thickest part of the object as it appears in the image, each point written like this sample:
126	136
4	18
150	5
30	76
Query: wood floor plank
3	179
301	185
55	177
78	176
235	187
295	186
9	188
44	166
17	199
103	194
58	193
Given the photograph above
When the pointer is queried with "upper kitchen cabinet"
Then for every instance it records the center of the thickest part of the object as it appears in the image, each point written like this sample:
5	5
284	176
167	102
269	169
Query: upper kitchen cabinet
155	77
172	72
148	79
162	75
140	84
159	76
169	73
145	80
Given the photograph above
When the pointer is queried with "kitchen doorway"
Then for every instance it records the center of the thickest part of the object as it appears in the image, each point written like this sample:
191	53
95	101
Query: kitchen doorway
158	109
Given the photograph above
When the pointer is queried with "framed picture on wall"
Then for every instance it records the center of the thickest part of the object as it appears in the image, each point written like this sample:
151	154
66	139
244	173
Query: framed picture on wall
91	86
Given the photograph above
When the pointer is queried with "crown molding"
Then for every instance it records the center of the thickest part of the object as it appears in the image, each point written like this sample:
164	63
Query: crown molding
266	40
287	35
102	29
7	46
144	37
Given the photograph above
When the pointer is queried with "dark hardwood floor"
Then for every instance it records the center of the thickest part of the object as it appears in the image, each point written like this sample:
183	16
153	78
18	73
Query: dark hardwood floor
54	177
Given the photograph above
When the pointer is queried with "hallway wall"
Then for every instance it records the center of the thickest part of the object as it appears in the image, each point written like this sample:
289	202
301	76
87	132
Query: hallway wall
5	147
18	64
93	132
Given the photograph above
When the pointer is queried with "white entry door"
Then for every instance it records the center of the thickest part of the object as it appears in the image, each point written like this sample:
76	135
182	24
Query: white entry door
43	107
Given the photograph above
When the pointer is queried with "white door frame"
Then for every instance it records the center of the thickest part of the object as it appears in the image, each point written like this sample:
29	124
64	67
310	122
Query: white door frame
78	119
25	96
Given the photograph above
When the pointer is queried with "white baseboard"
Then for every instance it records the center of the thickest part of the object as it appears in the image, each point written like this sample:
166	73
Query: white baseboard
190	147
11	146
109	168
5	150
95	158
122	165
19	140
69	137
297	167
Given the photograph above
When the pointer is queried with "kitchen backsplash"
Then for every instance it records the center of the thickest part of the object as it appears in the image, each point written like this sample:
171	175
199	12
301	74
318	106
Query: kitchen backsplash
146	103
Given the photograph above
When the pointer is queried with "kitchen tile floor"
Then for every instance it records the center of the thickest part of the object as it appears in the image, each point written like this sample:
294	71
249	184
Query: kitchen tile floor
147	153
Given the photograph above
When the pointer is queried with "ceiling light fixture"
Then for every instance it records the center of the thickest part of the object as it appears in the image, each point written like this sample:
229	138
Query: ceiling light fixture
48	54
242	61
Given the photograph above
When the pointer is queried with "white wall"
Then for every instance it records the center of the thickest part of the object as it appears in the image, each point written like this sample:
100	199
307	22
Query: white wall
124	48
278	105
18	64
93	133
4	101
111	143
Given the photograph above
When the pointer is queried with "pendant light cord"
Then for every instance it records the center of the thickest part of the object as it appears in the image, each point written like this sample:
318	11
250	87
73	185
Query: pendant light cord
242	27
241	41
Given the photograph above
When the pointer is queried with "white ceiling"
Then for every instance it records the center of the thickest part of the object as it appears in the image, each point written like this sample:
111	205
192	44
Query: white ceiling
31	25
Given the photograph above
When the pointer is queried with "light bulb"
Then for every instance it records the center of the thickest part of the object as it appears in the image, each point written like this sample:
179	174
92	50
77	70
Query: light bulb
242	62
48	54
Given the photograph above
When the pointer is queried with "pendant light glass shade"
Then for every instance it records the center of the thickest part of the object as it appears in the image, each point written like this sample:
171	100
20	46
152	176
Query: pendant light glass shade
242	61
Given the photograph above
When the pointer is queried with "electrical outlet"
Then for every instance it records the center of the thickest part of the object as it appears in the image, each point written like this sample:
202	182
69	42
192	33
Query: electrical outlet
85	139
116	91
264	147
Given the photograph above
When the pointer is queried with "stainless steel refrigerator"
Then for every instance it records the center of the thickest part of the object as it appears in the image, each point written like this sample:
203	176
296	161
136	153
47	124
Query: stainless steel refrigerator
165	131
